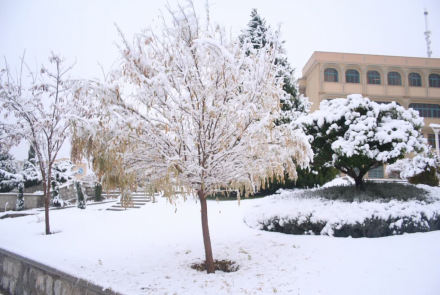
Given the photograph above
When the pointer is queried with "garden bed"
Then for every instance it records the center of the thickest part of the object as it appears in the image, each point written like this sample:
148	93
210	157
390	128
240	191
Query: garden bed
385	210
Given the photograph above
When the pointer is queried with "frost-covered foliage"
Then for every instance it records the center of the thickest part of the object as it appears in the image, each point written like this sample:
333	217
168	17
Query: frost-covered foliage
38	108
8	169
198	114
410	167
356	135
61	173
20	199
202	111
31	171
292	106
289	212
80	192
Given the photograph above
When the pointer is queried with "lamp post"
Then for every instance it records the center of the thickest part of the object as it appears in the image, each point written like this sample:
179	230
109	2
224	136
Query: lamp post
436	128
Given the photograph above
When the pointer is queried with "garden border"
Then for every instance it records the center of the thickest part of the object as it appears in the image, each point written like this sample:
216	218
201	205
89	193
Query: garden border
21	275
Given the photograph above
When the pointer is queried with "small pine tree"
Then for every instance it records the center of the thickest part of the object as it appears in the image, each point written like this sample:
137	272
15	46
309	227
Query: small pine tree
55	191
98	192
8	169
80	200
20	198
30	172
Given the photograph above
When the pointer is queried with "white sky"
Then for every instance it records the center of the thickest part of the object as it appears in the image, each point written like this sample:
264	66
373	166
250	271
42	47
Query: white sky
85	30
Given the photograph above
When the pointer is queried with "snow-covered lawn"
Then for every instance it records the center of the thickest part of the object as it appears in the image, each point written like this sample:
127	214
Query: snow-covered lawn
149	250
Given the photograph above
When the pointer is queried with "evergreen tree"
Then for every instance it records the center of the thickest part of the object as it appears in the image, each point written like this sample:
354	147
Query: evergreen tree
8	170
31	172
292	106
20	198
80	200
98	192
61	173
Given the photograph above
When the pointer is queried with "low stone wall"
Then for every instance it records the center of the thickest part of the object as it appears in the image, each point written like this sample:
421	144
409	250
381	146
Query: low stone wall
22	276
30	201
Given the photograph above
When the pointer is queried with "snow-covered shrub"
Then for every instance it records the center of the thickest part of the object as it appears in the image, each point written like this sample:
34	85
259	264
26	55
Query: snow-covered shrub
374	191
292	213
80	199
8	169
98	192
62	172
356	135
418	170
20	199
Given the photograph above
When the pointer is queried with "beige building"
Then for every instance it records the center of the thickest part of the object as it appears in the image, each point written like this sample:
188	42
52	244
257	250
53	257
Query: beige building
412	82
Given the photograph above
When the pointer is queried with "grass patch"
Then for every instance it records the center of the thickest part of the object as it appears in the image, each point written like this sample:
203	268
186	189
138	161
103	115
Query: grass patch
374	191
222	265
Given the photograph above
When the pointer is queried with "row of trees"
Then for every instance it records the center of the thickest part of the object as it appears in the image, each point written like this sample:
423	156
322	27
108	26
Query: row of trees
192	109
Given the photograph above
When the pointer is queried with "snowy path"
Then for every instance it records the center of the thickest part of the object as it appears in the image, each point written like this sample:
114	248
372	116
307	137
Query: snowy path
148	251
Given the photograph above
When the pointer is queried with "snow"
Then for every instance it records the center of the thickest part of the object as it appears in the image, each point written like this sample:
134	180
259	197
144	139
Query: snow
289	205
149	250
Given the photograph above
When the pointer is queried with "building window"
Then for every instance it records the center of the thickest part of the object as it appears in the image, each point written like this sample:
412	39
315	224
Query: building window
434	80
431	140
415	80
394	78
373	77
376	172
352	76
427	110
331	75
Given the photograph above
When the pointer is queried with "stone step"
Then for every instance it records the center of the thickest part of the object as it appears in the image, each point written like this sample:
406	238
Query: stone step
116	209
129	207
134	203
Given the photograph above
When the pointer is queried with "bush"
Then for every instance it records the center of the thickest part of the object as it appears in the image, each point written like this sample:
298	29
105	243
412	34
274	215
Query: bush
374	191
371	227
428	177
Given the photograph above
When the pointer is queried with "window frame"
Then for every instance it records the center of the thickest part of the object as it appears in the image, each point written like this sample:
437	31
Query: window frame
435	81
334	73
374	77
397	78
426	110
378	172
347	75
414	78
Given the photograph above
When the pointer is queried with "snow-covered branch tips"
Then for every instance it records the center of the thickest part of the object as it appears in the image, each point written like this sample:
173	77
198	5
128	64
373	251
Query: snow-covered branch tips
201	108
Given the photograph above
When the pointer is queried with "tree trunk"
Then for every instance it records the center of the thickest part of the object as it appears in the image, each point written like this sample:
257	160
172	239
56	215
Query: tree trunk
209	262
46	188
359	183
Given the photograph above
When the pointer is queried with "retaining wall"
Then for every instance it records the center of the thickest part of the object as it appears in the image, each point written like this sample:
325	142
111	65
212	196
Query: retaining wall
30	201
22	276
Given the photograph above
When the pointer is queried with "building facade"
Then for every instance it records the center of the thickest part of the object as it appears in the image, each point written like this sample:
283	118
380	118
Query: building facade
412	82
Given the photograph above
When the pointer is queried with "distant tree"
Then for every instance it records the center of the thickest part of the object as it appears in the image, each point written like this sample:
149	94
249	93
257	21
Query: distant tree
201	117
20	198
292	106
80	199
31	171
61	173
8	169
356	135
41	112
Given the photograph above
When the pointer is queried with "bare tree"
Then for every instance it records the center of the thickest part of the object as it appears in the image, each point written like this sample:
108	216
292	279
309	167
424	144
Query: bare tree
38	110
193	110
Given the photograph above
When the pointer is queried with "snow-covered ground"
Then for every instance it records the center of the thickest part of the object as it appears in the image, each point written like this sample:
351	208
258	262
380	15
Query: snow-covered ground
149	251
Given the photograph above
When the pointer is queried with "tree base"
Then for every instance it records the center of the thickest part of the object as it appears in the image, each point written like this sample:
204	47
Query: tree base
221	265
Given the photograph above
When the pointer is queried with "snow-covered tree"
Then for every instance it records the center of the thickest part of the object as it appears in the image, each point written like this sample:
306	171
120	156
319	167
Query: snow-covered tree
424	166
199	113
61	173
31	172
20	199
8	169
80	199
356	135
39	108
291	105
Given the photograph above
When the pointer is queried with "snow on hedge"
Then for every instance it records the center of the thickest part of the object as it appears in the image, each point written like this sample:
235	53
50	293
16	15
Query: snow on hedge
289	205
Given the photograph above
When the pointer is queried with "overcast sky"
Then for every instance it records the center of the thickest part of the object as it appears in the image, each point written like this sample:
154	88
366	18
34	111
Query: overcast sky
85	31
